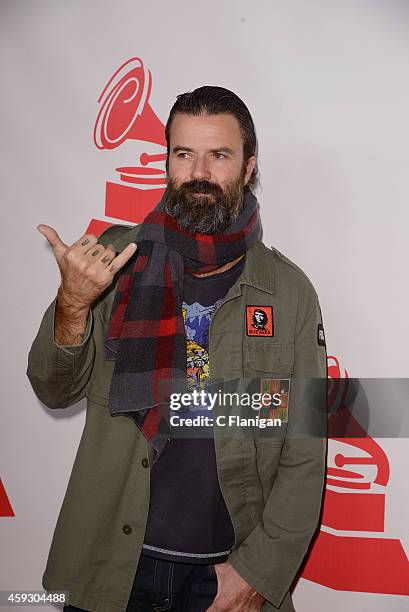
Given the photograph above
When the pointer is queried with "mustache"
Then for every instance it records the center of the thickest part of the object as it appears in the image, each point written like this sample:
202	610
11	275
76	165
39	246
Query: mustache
204	187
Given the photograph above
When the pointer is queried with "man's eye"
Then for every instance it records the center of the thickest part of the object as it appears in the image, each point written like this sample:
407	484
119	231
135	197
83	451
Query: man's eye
219	155
182	155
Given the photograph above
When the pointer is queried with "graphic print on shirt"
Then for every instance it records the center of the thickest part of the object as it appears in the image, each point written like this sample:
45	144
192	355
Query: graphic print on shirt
197	320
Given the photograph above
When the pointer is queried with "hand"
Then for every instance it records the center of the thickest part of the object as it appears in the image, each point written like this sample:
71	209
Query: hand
234	594
86	268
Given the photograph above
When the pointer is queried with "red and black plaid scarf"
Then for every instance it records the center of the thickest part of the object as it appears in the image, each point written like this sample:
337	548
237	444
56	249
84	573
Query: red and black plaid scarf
146	336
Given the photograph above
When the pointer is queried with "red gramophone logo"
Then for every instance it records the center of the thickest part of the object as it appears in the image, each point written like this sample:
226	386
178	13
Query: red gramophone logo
126	120
350	552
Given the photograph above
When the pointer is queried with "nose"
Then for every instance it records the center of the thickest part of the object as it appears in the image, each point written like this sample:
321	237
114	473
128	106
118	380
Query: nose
200	170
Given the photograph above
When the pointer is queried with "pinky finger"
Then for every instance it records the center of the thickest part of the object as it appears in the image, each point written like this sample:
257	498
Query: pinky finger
122	258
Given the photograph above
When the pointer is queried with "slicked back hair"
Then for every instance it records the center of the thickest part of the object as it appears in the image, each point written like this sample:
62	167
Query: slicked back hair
213	100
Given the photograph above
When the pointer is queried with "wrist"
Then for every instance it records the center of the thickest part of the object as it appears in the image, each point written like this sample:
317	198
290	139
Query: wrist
70	305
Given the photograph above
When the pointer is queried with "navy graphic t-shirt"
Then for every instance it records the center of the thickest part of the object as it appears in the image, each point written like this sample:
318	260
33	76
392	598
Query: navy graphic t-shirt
188	520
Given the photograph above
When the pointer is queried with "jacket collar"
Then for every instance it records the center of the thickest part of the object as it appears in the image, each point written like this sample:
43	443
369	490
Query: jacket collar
258	270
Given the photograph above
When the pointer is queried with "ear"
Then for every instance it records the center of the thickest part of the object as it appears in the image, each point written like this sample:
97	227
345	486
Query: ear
251	162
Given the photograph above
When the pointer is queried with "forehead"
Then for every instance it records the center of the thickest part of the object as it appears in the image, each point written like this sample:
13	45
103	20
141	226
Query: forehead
205	131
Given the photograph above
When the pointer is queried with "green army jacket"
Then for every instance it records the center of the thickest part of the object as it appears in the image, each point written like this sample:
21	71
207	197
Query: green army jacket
272	486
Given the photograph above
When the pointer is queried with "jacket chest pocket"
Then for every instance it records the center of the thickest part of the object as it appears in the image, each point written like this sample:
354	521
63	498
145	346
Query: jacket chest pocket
262	357
268	369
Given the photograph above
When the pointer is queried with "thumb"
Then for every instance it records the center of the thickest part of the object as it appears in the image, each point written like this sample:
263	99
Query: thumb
54	240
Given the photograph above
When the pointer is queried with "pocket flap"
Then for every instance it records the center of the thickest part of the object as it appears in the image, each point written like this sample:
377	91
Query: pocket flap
268	357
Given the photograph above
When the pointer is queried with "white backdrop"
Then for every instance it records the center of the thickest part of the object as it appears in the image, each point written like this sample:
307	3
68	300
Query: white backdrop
327	85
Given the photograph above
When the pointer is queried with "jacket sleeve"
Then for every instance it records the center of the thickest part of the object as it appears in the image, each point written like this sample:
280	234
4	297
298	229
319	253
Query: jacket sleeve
268	559
59	374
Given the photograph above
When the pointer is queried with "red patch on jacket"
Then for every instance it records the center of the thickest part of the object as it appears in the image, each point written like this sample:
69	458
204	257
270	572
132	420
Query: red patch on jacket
259	321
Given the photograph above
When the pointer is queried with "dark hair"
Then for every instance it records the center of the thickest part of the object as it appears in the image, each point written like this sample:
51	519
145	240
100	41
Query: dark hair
213	100
258	311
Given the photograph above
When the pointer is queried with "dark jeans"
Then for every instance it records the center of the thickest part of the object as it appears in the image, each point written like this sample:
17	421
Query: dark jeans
160	586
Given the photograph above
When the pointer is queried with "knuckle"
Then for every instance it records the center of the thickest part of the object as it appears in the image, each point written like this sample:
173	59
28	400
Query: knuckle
82	265
106	258
89	273
70	255
88	239
103	282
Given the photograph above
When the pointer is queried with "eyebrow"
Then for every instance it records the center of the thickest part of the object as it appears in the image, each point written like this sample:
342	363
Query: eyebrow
218	150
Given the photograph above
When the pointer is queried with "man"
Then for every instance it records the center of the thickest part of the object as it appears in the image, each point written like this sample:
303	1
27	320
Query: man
155	518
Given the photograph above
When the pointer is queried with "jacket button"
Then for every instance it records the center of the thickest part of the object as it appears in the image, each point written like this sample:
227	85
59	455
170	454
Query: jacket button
145	462
126	529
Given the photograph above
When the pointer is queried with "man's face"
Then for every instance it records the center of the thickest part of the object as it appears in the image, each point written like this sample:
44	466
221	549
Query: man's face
207	172
258	316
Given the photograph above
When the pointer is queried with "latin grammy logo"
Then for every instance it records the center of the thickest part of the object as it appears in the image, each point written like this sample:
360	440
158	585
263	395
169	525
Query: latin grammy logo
125	118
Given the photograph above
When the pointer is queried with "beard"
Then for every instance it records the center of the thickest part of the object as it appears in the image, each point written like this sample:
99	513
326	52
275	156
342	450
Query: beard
210	212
